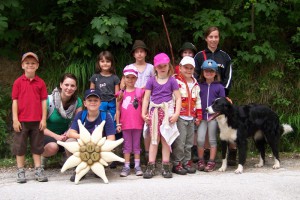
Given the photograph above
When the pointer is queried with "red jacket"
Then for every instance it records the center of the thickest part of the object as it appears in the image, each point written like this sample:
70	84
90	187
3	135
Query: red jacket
191	102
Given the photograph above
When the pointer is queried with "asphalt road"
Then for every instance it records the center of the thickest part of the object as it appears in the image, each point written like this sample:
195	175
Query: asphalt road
262	183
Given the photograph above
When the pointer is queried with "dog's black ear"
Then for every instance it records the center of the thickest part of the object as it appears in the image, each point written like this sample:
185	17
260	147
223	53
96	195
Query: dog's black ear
227	106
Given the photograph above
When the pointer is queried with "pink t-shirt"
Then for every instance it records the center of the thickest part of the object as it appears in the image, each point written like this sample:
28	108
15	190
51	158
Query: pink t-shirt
131	118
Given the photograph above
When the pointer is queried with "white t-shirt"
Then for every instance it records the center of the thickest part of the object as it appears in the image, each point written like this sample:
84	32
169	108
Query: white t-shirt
144	75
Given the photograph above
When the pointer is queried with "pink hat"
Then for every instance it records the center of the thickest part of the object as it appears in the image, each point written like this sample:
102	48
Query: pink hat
161	58
130	69
30	54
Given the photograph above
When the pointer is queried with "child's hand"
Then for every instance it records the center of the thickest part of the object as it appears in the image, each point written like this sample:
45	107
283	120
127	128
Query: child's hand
119	129
42	125
173	118
146	118
17	126
61	138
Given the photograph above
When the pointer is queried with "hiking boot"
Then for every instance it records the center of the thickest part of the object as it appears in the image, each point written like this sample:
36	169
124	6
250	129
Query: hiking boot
125	172
72	178
113	165
150	170
194	152
178	169
166	170
210	166
206	154
189	167
39	175
231	161
21	175
201	165
138	171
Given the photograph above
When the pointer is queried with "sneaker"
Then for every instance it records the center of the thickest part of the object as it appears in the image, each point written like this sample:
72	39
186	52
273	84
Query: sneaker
166	170
125	172
44	161
21	176
201	165
138	171
39	175
189	167
72	178
210	166
178	169
150	171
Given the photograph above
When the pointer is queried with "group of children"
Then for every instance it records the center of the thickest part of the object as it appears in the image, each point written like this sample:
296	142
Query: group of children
149	101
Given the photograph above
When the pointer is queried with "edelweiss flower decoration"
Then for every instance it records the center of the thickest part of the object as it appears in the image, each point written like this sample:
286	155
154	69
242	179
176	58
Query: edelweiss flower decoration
90	152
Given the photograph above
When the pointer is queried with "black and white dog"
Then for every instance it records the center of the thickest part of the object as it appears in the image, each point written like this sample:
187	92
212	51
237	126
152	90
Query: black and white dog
237	123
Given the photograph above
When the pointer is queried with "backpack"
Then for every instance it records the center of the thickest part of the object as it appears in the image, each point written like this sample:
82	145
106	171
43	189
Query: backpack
84	114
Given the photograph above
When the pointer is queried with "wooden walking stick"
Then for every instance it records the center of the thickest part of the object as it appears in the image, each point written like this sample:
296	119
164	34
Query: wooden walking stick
168	37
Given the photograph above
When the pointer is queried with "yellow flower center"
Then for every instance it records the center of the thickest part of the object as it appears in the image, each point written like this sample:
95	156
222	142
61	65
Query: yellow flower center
90	153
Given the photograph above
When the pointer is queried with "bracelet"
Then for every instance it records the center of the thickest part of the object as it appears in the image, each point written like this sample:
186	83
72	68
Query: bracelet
119	125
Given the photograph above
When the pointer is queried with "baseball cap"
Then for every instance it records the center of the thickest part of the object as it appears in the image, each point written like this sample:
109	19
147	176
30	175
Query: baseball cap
187	60
210	64
160	59
130	69
91	92
30	54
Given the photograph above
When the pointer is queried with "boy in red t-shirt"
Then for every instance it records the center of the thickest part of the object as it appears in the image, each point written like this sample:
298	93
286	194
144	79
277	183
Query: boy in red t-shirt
29	111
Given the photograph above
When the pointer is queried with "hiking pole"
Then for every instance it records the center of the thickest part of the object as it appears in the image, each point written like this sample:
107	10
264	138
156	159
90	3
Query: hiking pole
168	37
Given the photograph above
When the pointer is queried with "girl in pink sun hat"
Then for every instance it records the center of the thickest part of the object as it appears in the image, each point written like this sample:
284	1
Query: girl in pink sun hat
158	113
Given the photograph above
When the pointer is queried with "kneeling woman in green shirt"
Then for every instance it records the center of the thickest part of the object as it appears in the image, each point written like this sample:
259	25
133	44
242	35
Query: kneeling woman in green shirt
63	104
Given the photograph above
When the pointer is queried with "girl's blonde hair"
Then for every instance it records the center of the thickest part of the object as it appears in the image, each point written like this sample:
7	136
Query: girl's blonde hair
108	56
202	79
170	72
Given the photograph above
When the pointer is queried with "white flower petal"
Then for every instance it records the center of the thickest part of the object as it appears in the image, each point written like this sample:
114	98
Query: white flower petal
80	142
80	174
70	146
110	145
71	162
81	166
77	154
109	157
103	162
97	133
85	135
98	169
101	141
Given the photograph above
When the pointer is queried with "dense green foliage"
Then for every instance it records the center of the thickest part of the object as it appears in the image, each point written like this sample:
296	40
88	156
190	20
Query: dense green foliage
262	37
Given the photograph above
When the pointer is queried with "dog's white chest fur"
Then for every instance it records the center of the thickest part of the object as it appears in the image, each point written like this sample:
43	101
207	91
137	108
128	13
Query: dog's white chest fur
226	133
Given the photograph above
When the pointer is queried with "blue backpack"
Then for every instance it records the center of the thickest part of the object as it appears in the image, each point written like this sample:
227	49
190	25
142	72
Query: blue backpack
84	114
